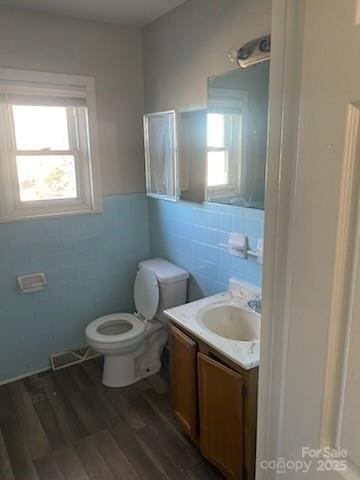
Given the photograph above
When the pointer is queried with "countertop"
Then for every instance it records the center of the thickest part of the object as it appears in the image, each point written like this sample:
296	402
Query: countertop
245	354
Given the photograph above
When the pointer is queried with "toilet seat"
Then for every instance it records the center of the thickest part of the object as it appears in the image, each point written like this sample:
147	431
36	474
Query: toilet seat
95	333
146	293
124	329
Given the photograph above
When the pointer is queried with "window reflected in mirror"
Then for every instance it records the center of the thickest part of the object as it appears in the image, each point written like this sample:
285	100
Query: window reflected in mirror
237	137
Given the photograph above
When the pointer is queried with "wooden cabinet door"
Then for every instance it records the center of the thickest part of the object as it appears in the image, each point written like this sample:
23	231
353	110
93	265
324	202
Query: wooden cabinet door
183	378
221	416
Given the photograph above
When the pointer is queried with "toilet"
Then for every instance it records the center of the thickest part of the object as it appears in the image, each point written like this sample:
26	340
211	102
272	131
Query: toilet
132	344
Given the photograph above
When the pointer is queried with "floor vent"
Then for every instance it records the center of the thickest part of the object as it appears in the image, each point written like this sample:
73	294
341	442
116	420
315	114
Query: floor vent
71	357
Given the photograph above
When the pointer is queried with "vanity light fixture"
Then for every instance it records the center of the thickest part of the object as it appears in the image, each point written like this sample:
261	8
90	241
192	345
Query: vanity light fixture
253	52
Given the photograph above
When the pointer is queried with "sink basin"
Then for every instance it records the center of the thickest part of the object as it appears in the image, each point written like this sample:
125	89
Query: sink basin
231	321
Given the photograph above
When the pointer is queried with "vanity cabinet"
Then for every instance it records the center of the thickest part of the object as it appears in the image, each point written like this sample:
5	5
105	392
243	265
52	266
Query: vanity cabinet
221	416
184	397
215	403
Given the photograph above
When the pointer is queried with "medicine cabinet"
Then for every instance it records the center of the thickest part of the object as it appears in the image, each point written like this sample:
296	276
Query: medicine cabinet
161	155
175	155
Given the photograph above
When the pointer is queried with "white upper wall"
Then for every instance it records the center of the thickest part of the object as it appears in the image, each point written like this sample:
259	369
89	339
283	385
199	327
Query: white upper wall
187	45
181	50
124	12
113	56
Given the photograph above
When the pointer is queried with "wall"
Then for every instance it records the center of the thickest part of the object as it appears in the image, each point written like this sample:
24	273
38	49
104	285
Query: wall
186	46
90	262
190	235
181	50
110	54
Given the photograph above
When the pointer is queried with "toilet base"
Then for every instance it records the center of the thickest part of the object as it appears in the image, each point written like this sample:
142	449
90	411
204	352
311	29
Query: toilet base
128	368
119	370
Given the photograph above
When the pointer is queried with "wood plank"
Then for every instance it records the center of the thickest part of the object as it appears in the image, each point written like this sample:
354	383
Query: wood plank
69	463
6	405
158	452
79	401
32	433
116	460
142	386
69	423
93	370
17	393
45	411
124	409
164	373
6	471
108	414
203	471
180	449
80	377
68	426
88	381
16	444
48	469
91	459
109	402
141	463
158	384
161	406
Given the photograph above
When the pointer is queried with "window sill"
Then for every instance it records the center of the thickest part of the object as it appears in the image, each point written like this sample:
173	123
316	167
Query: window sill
17	217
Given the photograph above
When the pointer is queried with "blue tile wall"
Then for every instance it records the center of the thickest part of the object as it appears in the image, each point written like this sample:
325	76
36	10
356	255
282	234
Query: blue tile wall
90	262
190	236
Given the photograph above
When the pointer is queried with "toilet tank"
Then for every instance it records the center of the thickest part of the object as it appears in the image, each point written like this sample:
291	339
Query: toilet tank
172	284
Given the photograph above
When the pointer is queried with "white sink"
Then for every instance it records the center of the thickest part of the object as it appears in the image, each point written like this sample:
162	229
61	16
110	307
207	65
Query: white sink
230	321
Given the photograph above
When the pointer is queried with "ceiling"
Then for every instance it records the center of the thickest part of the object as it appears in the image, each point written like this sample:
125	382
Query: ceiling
123	12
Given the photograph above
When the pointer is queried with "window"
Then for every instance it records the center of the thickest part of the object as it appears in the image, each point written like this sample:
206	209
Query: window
226	143
223	149
218	154
47	145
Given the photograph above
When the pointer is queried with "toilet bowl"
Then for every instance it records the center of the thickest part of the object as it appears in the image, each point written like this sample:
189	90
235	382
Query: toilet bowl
132	344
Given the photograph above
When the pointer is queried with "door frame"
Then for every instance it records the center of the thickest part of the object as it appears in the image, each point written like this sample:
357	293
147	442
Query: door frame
284	100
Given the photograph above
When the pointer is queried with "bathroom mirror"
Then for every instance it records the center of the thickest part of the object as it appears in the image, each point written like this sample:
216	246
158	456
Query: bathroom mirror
237	136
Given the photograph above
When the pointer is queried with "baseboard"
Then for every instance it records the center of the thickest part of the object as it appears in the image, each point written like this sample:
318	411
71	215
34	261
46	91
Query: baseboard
20	377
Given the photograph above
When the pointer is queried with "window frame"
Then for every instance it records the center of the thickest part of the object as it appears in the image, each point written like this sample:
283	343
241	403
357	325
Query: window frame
233	149
234	103
89	195
226	153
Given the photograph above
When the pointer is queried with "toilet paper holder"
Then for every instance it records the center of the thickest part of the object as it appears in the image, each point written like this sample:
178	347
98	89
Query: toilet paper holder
32	282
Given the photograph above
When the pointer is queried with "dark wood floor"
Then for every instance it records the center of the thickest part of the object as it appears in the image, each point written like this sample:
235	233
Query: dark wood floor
67	426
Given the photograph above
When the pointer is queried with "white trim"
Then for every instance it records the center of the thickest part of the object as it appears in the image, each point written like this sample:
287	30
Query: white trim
20	377
56	79
284	94
87	172
343	283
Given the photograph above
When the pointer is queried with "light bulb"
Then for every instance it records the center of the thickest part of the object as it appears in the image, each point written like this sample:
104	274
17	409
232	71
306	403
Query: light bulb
233	55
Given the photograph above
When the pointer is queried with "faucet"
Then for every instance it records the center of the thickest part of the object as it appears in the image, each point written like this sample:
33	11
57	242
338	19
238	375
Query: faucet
255	304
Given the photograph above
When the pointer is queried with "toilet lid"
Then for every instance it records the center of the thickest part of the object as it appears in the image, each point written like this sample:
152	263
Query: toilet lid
146	293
